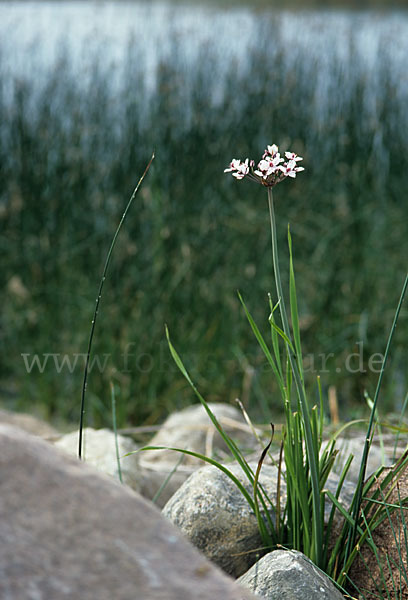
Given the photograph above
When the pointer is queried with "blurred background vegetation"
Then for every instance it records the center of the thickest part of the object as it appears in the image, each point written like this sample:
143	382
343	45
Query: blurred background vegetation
71	153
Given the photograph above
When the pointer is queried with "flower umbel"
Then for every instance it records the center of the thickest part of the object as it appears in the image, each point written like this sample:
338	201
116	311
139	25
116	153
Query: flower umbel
271	169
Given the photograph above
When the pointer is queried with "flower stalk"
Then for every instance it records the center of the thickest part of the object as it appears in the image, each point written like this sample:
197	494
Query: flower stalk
310	447
271	170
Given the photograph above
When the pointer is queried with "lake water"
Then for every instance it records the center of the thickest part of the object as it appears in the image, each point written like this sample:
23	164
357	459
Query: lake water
32	35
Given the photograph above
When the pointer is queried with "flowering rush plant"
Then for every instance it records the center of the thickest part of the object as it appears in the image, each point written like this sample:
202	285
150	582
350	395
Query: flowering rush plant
303	429
308	462
271	169
296	519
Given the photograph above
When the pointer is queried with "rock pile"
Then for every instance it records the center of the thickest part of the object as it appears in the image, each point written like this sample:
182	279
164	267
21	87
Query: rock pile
67	531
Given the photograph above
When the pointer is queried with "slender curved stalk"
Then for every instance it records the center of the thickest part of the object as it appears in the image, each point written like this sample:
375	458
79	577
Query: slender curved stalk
359	490
98	300
310	448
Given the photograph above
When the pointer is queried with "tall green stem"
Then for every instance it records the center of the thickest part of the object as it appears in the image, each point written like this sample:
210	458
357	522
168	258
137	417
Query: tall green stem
98	300
281	299
310	449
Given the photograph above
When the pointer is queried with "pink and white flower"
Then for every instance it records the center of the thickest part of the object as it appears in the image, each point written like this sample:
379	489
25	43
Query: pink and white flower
271	151
263	169
293	156
290	169
269	171
269	165
234	164
238	168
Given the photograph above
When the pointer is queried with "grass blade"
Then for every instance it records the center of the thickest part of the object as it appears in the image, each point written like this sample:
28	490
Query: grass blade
208	460
115	430
263	345
229	442
359	490
294	308
275	337
257	473
98	300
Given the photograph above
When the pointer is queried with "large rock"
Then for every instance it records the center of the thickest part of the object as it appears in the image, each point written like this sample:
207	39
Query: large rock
68	531
152	479
189	429
192	429
159	481
99	450
29	423
289	575
213	514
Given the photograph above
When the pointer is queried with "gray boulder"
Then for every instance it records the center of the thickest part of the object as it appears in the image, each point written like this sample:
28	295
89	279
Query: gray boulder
68	531
289	575
138	472
99	450
29	423
188	429
192	429
160	480
212	513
